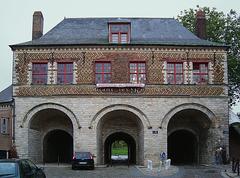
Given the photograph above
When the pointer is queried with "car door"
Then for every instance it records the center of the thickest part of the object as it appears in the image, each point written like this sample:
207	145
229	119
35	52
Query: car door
38	173
26	171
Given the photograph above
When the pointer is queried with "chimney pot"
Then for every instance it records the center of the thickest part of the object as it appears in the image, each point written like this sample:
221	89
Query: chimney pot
37	28
201	24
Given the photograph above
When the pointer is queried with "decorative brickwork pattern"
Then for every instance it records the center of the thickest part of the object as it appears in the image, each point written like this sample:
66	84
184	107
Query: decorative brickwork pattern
166	90
155	68
85	59
22	69
218	70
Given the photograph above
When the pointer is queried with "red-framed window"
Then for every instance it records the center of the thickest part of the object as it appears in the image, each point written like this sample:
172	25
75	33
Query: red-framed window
174	73
65	73
119	33
103	72
137	72
200	73
39	73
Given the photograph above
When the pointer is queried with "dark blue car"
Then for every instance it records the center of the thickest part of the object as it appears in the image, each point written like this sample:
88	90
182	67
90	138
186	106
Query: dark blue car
20	168
83	160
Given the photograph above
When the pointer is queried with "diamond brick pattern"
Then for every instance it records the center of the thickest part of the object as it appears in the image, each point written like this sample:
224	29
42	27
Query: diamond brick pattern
160	90
120	59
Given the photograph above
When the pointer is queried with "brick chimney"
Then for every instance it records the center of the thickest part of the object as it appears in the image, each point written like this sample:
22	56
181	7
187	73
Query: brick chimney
201	24
37	28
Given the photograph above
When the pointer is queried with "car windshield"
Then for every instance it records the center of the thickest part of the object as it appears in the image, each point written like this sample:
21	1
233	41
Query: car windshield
83	155
7	169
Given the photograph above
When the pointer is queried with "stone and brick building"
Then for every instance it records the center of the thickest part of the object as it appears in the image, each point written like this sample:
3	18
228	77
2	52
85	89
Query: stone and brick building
6	122
147	81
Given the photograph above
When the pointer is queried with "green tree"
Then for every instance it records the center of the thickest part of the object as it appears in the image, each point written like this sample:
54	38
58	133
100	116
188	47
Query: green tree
221	28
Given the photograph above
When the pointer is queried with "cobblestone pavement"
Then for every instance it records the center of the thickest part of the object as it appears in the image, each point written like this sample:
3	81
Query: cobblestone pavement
131	172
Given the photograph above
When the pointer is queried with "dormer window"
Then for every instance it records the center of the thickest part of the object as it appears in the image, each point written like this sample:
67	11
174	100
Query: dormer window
119	33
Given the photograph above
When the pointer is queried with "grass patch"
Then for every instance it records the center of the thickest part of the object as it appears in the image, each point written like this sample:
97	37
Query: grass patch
120	151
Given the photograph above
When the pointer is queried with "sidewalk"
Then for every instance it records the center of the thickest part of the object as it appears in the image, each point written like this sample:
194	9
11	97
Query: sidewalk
172	170
226	170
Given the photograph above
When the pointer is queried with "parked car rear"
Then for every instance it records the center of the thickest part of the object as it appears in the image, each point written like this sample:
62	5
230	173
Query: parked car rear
82	160
20	168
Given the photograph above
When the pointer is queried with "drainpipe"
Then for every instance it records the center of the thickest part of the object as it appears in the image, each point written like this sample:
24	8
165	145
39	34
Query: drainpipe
13	121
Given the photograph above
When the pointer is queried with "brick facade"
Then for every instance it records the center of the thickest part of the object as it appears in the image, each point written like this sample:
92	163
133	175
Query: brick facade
92	114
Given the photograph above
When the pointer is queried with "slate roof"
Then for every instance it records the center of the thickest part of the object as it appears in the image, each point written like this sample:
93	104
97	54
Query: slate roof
6	95
94	31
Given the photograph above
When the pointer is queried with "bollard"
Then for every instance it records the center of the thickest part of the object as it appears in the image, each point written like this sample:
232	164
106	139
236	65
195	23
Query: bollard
149	166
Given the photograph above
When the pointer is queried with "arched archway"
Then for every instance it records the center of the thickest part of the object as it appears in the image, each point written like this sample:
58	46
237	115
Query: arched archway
120	124
183	147
188	137
57	147
49	124
120	136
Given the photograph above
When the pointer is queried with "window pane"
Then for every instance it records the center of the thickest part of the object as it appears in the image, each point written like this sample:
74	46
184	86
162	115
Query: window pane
178	68
203	68
142	78
123	38
133	78
98	78
107	78
115	38
141	68
179	79
107	67
133	68
69	78
196	78
170	78
98	67
170	68
69	68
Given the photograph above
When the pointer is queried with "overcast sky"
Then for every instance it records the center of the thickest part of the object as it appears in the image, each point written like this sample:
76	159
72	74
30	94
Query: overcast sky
16	18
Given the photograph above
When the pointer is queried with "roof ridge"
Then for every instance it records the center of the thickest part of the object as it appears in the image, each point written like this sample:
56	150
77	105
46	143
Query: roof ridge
120	18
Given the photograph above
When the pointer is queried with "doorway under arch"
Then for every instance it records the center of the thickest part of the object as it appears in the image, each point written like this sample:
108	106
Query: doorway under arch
188	137
128	139
120	125
49	124
57	147
182	147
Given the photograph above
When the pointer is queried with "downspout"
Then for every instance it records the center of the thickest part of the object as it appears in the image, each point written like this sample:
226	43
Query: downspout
13	121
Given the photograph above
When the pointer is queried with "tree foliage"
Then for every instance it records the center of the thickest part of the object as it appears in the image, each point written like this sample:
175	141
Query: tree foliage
221	28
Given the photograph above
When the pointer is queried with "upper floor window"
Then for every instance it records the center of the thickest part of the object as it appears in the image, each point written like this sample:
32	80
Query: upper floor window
200	72
65	73
119	33
39	73
174	73
4	125
103	72
137	72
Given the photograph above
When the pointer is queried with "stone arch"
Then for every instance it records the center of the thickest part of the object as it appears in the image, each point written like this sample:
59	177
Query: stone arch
120	119
40	107
132	109
195	106
184	128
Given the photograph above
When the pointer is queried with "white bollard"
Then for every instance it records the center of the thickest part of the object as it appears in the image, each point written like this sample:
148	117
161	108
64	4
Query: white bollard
149	164
167	163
